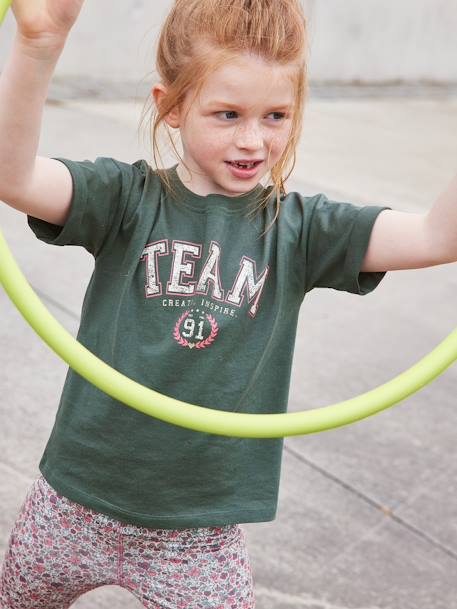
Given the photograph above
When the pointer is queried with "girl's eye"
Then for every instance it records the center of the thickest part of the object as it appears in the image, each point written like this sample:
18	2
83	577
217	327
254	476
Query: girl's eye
280	114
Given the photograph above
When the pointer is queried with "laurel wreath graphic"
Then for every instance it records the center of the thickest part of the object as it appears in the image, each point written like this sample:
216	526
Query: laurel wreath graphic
201	344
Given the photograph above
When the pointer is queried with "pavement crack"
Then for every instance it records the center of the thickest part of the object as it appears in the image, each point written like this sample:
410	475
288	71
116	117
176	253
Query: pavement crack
375	504
337	480
428	538
306	601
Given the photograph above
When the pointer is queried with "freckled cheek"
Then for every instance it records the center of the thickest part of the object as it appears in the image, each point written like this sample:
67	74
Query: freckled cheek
215	143
277	144
283	138
203	142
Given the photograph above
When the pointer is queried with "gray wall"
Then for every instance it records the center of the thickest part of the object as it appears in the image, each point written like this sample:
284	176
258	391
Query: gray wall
368	40
383	40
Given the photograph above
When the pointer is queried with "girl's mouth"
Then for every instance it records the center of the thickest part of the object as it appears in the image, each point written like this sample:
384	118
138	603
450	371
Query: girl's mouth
242	170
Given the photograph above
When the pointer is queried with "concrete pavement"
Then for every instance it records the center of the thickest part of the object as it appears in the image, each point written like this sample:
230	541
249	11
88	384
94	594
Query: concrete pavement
367	513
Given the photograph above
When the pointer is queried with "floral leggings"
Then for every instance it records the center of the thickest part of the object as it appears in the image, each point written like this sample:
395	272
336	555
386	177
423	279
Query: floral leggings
58	550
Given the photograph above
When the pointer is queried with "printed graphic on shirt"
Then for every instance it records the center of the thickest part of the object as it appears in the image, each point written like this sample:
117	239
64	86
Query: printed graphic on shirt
198	288
195	329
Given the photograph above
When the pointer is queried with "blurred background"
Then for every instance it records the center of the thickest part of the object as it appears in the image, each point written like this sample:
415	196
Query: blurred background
364	42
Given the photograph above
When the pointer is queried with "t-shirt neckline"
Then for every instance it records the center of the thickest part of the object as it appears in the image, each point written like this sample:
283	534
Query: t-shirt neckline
188	198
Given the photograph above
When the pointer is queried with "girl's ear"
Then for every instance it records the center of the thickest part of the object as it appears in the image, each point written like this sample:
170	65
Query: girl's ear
159	92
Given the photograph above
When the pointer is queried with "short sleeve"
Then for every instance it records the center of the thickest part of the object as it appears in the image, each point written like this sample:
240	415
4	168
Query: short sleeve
337	239
101	195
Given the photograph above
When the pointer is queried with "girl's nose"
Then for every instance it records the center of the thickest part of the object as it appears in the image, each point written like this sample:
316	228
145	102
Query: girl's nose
250	137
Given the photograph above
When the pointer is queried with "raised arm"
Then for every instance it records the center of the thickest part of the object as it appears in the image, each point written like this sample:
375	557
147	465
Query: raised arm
402	240
35	185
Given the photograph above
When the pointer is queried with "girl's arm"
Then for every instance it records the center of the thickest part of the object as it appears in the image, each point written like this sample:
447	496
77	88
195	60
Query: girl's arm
35	185
402	240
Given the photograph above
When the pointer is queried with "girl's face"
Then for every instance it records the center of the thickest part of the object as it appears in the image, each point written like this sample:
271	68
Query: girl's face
245	113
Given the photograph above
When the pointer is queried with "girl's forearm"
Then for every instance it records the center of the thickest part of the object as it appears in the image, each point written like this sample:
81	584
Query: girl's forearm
24	84
442	221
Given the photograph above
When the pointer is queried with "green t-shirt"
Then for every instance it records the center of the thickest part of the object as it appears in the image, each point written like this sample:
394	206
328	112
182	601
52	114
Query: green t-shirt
187	298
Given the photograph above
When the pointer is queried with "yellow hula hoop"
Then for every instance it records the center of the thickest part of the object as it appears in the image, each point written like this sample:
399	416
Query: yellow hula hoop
4	6
208	420
195	417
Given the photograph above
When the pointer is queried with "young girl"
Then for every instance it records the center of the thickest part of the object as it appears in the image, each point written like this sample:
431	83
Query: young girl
200	272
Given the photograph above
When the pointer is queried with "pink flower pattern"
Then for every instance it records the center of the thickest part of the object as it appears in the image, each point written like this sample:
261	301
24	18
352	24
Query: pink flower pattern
58	550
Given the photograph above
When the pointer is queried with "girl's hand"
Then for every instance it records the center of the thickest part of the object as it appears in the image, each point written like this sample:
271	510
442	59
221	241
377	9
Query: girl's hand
45	23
